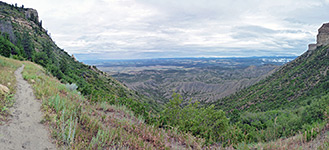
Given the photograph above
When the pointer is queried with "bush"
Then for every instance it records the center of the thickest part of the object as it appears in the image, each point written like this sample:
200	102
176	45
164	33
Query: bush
71	87
207	122
270	125
7	48
41	58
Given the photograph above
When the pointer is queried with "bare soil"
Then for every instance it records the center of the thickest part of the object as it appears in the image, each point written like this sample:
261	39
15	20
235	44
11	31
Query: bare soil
25	131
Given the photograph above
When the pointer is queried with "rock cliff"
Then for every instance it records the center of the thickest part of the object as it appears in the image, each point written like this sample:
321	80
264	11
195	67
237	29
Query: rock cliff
32	14
322	37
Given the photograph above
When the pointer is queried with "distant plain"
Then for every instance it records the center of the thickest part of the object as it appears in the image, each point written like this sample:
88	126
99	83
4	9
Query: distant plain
198	79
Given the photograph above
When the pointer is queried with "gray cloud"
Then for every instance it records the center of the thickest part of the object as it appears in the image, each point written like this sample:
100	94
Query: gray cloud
123	29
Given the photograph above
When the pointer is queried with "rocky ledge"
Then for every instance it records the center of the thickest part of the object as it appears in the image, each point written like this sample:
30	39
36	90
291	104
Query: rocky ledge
322	37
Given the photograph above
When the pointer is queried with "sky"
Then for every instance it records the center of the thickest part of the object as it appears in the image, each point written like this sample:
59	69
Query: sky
137	29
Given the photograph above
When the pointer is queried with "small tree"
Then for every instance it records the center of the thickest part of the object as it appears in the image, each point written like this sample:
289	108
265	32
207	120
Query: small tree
28	45
173	109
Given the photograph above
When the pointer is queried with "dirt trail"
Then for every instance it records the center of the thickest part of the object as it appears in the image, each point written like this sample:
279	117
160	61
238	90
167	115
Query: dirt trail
25	131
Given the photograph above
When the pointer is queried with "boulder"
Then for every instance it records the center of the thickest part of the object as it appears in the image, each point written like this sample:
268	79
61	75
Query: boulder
4	89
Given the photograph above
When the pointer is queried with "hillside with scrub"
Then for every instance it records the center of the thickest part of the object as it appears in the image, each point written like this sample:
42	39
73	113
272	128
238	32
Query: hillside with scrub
85	108
75	123
292	100
24	38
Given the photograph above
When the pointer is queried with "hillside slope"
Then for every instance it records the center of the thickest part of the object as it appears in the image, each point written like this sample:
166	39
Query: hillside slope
76	123
294	85
23	37
293	100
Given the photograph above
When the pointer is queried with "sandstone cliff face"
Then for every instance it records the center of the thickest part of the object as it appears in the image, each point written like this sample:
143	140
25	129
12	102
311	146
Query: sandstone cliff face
312	46
322	37
6	27
32	14
7	21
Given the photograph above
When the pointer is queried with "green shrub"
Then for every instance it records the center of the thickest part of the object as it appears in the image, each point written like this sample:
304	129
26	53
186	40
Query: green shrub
207	122
7	48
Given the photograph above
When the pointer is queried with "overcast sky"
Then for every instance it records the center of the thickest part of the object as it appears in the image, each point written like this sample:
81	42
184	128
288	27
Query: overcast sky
130	29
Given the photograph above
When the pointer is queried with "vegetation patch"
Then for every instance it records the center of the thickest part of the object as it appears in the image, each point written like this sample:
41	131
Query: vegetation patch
7	79
77	122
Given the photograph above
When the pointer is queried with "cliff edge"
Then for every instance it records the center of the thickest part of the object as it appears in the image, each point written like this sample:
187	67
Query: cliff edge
322	37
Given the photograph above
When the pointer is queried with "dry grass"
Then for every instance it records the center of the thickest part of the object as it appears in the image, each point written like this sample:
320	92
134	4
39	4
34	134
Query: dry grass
7	78
298	141
75	123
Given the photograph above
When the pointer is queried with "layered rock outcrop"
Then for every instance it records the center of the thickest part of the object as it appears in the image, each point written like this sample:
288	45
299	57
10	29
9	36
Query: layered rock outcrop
322	37
6	27
32	14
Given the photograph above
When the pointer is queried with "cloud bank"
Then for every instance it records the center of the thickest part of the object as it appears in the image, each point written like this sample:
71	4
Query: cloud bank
132	29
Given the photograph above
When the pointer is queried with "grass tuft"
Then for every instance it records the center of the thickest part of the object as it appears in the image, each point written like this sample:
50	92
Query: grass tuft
8	79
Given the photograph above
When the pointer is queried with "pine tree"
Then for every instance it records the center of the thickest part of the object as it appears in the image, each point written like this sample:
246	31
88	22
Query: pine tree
28	45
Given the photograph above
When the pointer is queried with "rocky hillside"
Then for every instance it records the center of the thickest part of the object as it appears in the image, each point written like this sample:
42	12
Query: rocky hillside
24	38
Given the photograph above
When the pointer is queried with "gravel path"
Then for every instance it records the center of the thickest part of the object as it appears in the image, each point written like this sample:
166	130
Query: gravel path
25	131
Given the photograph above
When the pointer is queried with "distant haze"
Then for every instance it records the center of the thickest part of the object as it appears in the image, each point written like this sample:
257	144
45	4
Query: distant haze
133	29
